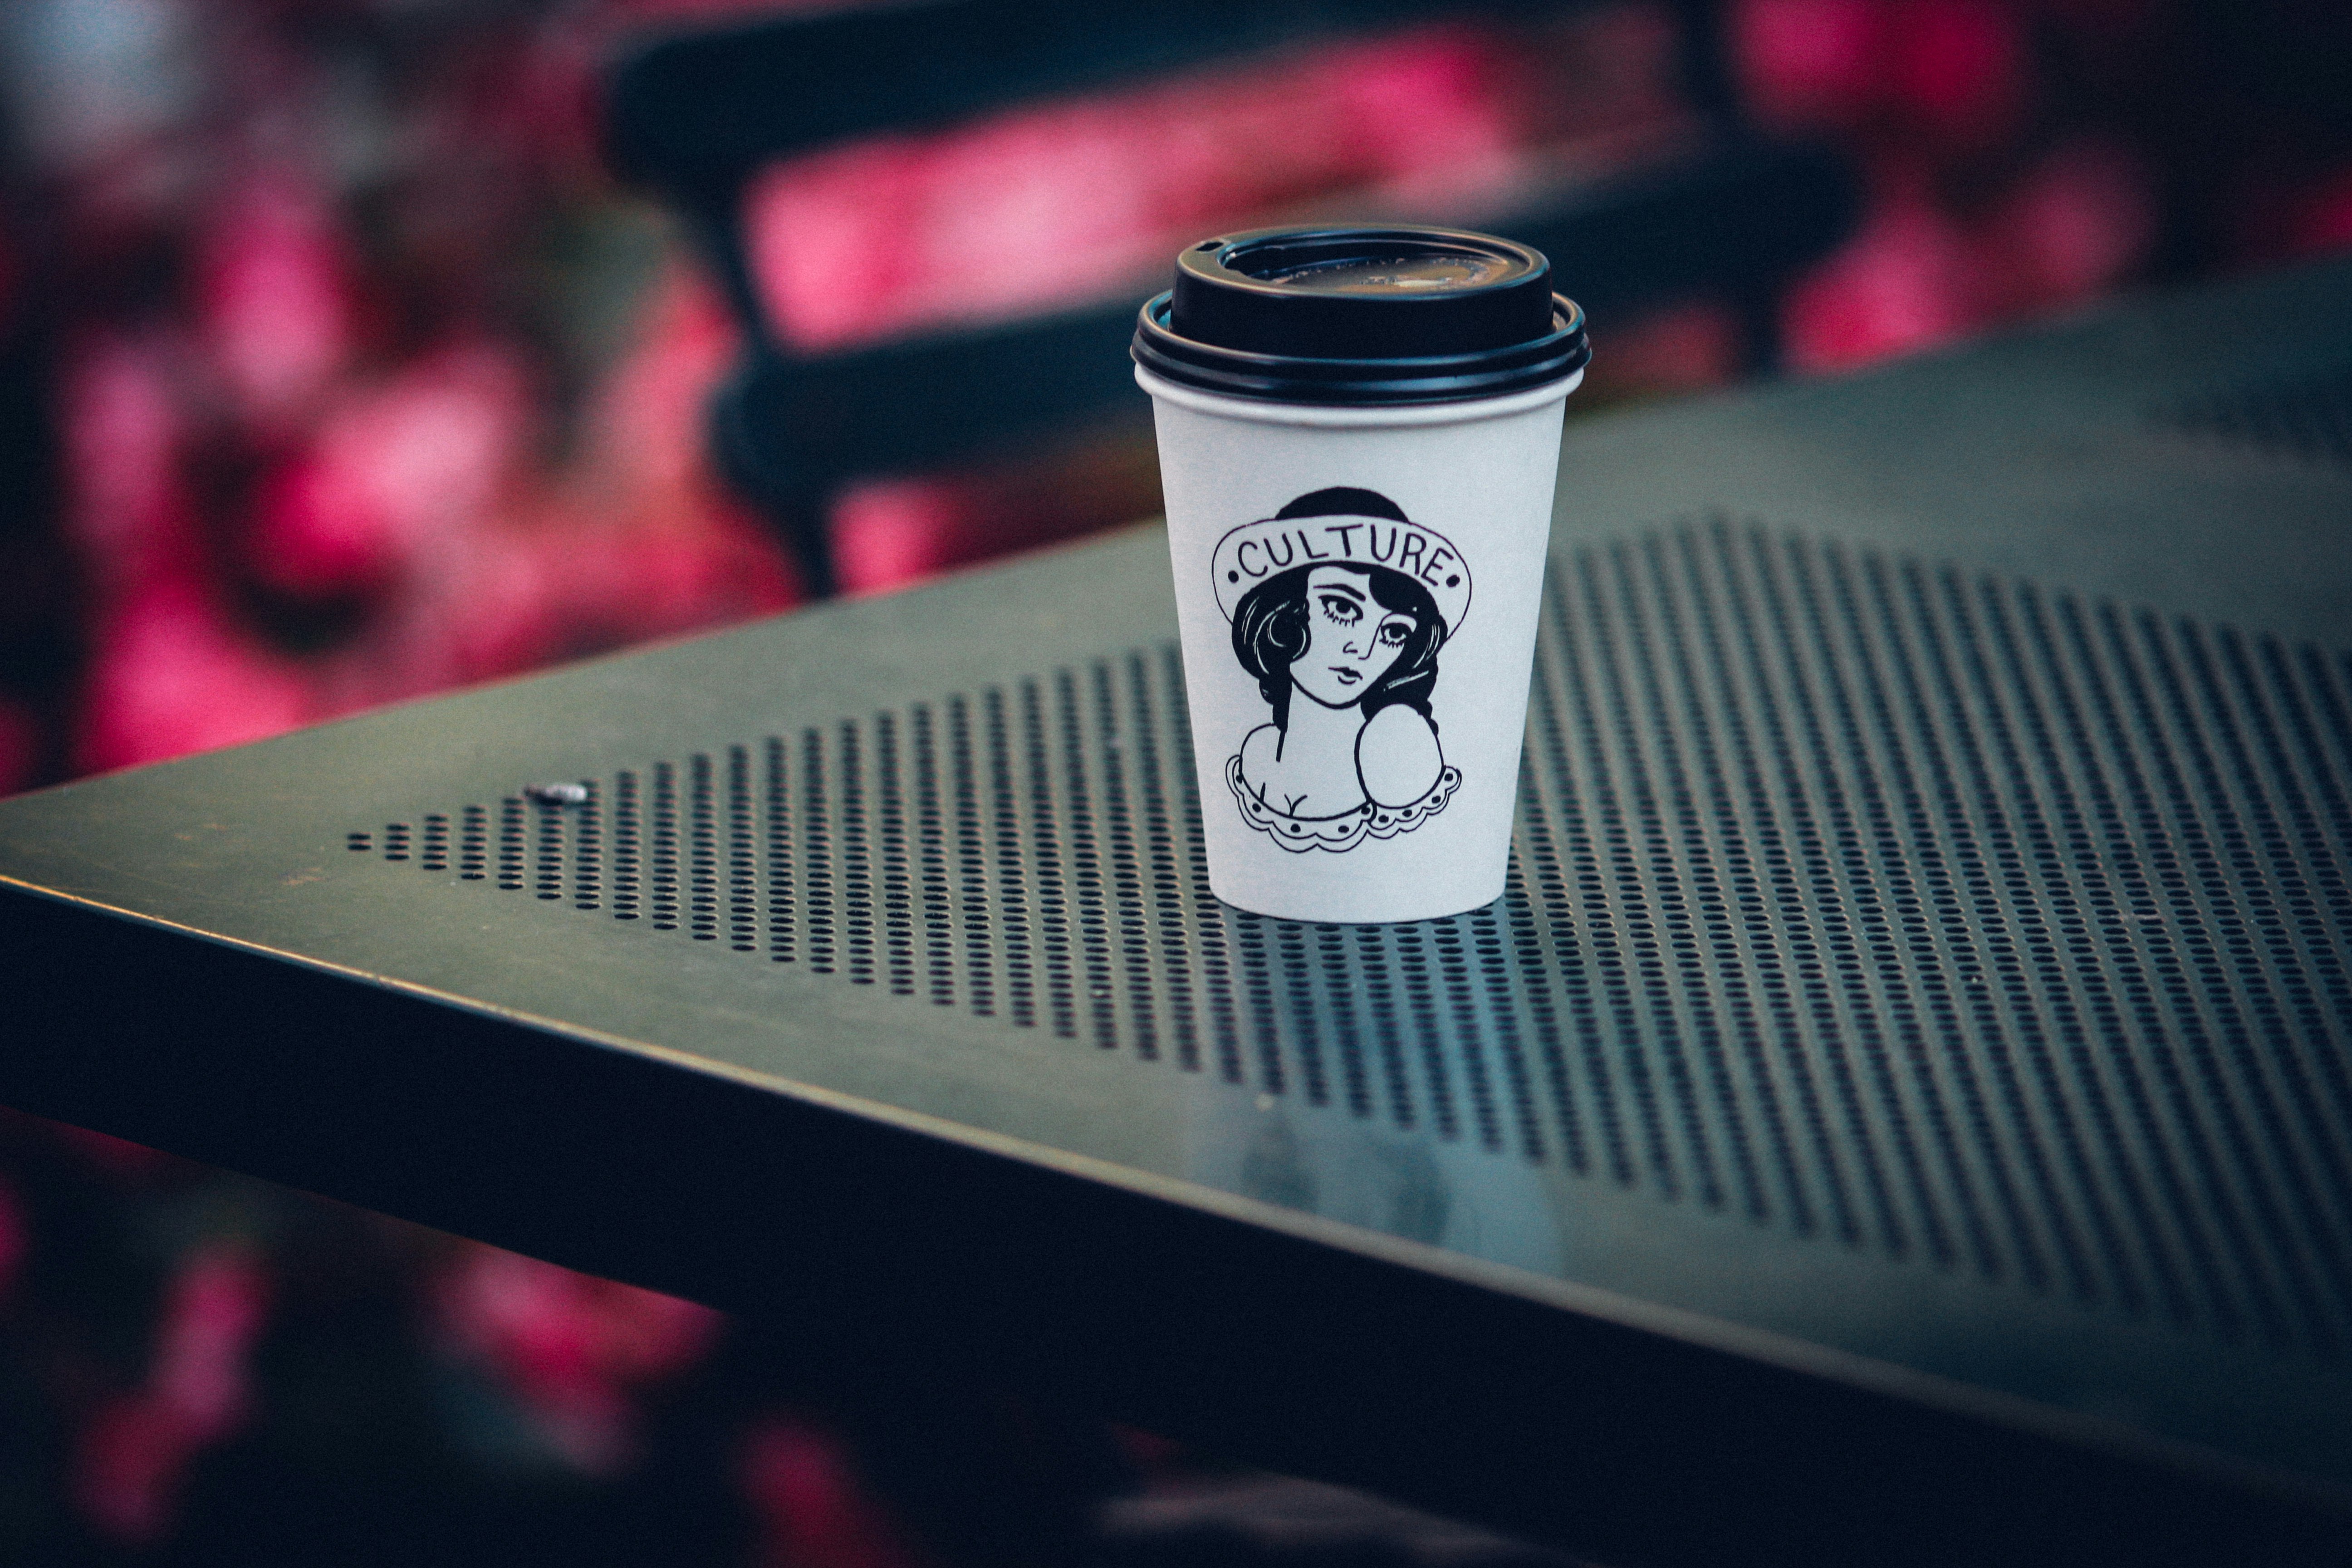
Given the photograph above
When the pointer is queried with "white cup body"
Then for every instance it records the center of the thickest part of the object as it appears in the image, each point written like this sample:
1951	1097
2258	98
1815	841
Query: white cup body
1361	811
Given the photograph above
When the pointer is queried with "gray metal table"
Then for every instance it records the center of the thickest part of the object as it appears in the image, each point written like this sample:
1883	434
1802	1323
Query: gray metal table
1901	1112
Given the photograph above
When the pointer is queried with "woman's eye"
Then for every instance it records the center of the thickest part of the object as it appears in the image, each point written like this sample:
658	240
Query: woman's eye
1342	610
1393	633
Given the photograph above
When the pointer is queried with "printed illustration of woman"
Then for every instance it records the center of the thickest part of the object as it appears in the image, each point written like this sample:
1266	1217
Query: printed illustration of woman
1340	605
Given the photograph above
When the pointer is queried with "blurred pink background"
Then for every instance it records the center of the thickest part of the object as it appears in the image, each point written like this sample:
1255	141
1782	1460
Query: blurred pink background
340	371
360	379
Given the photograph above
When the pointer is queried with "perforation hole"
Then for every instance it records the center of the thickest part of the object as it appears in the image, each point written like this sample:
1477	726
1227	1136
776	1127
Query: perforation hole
2308	418
473	844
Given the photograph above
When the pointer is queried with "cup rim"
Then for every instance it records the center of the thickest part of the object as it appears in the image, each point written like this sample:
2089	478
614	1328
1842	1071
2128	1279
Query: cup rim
1359	416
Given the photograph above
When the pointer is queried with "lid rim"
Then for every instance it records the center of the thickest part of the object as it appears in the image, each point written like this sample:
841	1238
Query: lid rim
1256	375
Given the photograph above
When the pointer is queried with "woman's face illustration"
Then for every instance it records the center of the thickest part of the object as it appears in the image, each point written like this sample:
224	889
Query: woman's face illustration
1351	639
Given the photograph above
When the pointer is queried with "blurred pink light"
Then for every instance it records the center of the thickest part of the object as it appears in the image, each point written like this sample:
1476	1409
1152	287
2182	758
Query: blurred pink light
888	534
129	514
274	295
1809	63
395	469
2322	222
174	674
1049	205
813	1512
1959	68
573	1350
1899	286
2078	221
133	1452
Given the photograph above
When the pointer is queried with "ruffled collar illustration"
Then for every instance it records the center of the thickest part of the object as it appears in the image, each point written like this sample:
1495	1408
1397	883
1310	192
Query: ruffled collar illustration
1348	828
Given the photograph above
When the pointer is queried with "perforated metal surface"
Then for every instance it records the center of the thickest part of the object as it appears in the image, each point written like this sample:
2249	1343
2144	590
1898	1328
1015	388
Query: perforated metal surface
2308	418
1913	911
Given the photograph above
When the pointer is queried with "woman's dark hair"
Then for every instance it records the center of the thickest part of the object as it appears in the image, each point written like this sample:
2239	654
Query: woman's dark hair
1270	632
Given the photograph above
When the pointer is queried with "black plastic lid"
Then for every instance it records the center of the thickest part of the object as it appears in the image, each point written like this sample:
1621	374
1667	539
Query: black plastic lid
1361	316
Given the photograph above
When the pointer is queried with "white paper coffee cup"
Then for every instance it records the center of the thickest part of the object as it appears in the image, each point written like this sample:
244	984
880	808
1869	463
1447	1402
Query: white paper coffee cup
1358	581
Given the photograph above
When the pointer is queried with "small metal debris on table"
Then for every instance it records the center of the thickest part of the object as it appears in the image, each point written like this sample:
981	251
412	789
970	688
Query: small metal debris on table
557	794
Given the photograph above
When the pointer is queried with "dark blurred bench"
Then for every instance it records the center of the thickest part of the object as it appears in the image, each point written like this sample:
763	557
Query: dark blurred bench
1725	213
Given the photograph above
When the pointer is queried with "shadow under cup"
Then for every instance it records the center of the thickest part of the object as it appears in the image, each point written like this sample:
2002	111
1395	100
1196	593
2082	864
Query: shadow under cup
1358	434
